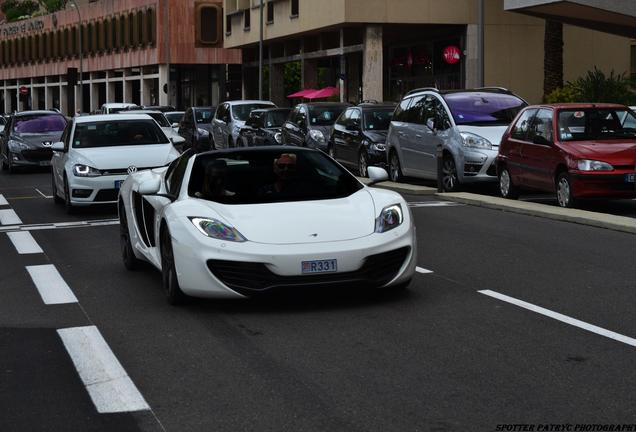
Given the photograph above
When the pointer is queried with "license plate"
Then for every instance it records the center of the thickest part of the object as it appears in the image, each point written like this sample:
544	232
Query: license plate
629	178
45	163
118	184
320	266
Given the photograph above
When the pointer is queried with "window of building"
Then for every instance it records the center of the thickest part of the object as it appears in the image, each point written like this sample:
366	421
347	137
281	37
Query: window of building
247	14
85	38
270	12
101	36
151	26
228	24
208	24
73	42
294	8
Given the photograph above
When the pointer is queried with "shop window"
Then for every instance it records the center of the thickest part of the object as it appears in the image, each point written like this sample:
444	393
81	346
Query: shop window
228	25
294	8
208	23
270	12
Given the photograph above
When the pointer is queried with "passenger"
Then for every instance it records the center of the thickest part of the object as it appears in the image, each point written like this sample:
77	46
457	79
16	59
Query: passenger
214	179
284	169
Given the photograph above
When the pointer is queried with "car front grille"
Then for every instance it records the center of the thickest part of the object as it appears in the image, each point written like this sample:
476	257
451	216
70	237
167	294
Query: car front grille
37	155
252	278
121	171
106	195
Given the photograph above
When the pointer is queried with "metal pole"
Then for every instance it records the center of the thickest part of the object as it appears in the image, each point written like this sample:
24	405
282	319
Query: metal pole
260	58
480	43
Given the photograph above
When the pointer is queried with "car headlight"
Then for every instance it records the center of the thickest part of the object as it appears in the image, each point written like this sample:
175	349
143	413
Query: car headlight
217	229
17	146
390	217
80	170
472	140
593	165
278	137
316	135
379	147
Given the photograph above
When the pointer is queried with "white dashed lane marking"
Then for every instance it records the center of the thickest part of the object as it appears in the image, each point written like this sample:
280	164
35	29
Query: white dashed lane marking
9	217
563	318
50	285
106	381
59	225
24	243
3	201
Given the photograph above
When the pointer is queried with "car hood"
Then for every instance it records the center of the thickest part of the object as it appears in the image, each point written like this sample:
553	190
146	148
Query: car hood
141	156
376	136
37	140
301	222
617	152
491	133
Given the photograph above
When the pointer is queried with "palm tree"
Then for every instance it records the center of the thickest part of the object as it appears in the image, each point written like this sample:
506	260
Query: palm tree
553	56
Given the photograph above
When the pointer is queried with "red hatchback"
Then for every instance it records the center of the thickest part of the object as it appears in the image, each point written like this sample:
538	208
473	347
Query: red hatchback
575	150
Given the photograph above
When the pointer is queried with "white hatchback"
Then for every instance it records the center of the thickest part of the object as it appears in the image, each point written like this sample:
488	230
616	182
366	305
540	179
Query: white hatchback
97	153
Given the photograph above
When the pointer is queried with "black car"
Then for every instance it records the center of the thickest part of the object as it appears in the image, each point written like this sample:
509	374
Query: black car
263	127
196	128
27	139
310	124
359	136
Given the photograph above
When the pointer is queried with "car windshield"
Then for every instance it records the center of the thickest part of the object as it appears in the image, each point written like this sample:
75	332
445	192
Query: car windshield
324	115
242	112
120	133
39	124
160	118
483	109
203	115
596	124
378	119
268	176
276	119
174	117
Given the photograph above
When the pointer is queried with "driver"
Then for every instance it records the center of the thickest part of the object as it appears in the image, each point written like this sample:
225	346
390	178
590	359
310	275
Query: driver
284	170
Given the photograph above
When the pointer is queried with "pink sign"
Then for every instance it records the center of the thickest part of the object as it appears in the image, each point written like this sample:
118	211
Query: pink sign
452	54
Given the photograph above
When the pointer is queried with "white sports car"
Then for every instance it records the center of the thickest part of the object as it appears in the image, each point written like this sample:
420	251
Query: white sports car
239	222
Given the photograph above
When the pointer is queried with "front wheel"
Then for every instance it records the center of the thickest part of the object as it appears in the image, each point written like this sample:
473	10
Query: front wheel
395	168
564	194
67	198
506	187
363	164
169	279
450	181
56	196
131	262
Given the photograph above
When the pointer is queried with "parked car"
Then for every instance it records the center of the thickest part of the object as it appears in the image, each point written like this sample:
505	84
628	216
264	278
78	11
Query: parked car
27	139
467	124
230	118
359	135
574	150
96	154
3	123
263	127
162	108
210	240
115	107
175	118
163	123
196	128
310	124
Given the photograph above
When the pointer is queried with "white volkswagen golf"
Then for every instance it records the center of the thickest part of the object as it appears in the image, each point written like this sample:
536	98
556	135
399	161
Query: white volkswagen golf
235	223
97	153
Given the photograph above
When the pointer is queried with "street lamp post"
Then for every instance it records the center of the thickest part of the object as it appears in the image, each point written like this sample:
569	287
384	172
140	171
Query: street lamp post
260	57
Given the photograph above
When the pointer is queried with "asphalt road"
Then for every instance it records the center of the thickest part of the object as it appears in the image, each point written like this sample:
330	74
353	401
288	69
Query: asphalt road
449	354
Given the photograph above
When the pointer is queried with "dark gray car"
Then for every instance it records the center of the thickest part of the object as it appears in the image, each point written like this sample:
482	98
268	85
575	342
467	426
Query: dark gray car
310	124
196	128
27	138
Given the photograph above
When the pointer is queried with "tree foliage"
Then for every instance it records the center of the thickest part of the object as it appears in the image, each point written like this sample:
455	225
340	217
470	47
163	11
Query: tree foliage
596	86
19	9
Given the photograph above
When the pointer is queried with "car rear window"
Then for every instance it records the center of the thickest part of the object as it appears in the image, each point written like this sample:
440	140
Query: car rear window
266	176
596	124
120	133
242	112
483	109
204	115
38	124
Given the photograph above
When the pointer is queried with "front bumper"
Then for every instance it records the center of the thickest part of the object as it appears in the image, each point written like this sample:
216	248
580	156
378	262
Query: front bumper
602	185
212	268
475	166
32	157
94	190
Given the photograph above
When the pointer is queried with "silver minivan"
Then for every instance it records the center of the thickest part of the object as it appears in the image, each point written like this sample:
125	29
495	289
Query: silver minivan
466	124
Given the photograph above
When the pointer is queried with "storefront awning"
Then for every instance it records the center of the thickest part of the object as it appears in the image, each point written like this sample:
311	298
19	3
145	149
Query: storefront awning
610	16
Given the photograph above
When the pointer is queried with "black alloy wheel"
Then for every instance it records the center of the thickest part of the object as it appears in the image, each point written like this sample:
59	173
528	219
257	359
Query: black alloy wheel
395	168
363	163
506	187
131	262
450	180
169	279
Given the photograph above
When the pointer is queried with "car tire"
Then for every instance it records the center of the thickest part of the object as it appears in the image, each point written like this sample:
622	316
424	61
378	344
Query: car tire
169	279
363	164
395	169
56	197
450	181
506	187
131	262
67	198
564	195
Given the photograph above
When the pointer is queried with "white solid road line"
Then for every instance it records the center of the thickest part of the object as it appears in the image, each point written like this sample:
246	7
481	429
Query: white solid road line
106	381
43	196
50	285
59	225
3	201
9	217
423	270
563	318
24	243
434	204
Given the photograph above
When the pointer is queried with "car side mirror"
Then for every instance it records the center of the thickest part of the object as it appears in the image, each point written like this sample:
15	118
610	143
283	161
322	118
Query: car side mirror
58	146
151	186
175	125
177	140
540	139
377	175
430	123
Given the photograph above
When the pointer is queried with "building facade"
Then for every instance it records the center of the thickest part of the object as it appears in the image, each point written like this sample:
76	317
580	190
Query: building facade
380	49
146	52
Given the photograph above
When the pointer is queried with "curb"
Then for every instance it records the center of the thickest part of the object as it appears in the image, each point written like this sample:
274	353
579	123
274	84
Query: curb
404	188
582	217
